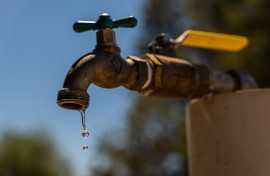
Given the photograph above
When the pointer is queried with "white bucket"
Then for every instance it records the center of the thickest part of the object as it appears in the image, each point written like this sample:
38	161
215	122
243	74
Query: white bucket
229	134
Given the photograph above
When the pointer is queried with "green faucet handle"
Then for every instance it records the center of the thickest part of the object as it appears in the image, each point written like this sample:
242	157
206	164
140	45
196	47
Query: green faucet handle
104	21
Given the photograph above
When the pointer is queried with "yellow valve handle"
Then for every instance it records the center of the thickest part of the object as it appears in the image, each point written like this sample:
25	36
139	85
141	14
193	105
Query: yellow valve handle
210	40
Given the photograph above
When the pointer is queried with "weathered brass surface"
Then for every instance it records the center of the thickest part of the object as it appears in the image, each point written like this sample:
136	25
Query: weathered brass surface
158	73
176	78
104	67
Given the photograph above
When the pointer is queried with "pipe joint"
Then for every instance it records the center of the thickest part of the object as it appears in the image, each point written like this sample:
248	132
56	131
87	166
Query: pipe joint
175	78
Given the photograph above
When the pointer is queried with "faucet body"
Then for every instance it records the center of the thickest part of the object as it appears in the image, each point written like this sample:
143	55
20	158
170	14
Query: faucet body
151	75
154	75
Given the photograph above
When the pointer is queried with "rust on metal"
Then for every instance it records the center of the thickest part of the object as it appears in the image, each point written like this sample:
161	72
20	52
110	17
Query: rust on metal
159	73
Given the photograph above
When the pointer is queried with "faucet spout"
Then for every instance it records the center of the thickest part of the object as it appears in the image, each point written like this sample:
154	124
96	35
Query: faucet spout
102	68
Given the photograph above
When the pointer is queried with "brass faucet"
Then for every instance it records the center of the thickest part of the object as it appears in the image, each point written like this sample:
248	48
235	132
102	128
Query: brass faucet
154	74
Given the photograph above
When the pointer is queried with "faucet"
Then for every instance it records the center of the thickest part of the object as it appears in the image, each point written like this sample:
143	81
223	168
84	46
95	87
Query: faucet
158	73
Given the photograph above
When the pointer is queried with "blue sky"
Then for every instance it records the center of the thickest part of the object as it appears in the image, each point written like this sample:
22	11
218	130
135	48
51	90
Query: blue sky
37	47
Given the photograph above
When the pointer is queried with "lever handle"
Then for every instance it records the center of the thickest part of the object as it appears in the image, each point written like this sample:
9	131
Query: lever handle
104	21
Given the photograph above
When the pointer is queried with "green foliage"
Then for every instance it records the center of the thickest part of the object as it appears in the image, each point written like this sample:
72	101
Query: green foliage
30	155
241	17
154	141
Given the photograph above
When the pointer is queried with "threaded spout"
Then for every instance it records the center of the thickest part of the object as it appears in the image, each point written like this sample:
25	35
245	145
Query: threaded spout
72	99
103	69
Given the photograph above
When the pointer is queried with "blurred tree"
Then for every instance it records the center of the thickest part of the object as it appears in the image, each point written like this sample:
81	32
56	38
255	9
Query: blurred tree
162	16
153	143
242	17
30	155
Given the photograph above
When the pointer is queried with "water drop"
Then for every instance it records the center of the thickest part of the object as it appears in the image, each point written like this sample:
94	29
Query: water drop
83	118
85	133
85	147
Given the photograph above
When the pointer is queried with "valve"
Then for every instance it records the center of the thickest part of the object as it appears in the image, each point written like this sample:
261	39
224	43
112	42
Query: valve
163	44
104	21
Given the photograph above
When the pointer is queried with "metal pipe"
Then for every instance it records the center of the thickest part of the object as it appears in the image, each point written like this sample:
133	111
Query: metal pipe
153	75
231	81
176	78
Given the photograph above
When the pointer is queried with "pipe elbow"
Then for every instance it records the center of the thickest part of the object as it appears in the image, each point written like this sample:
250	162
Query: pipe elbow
103	69
99	68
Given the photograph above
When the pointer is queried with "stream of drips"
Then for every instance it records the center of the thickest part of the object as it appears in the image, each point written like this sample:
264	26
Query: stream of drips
85	132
